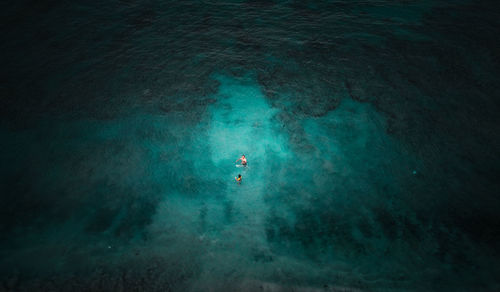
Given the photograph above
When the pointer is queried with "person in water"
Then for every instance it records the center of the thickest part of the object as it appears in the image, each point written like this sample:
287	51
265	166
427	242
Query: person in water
243	160
238	178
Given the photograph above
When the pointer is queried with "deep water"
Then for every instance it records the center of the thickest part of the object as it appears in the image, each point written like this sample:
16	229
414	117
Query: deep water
371	130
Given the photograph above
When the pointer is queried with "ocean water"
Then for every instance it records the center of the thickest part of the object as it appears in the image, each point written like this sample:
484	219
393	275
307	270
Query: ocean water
371	130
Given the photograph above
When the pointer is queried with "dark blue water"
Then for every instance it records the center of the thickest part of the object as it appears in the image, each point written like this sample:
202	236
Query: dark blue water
371	129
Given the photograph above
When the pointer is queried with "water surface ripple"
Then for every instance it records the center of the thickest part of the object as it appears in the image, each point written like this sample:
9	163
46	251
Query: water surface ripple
370	127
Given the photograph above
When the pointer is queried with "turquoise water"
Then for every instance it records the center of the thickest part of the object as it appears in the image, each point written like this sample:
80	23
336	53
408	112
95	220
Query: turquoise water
370	129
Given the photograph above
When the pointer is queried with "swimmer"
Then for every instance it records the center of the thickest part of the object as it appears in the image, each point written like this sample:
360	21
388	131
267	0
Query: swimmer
243	160
238	178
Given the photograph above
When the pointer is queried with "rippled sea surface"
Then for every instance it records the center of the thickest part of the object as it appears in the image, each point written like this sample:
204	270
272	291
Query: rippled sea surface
371	130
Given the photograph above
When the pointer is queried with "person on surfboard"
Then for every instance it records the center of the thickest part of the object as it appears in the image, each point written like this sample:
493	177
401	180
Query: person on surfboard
243	160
